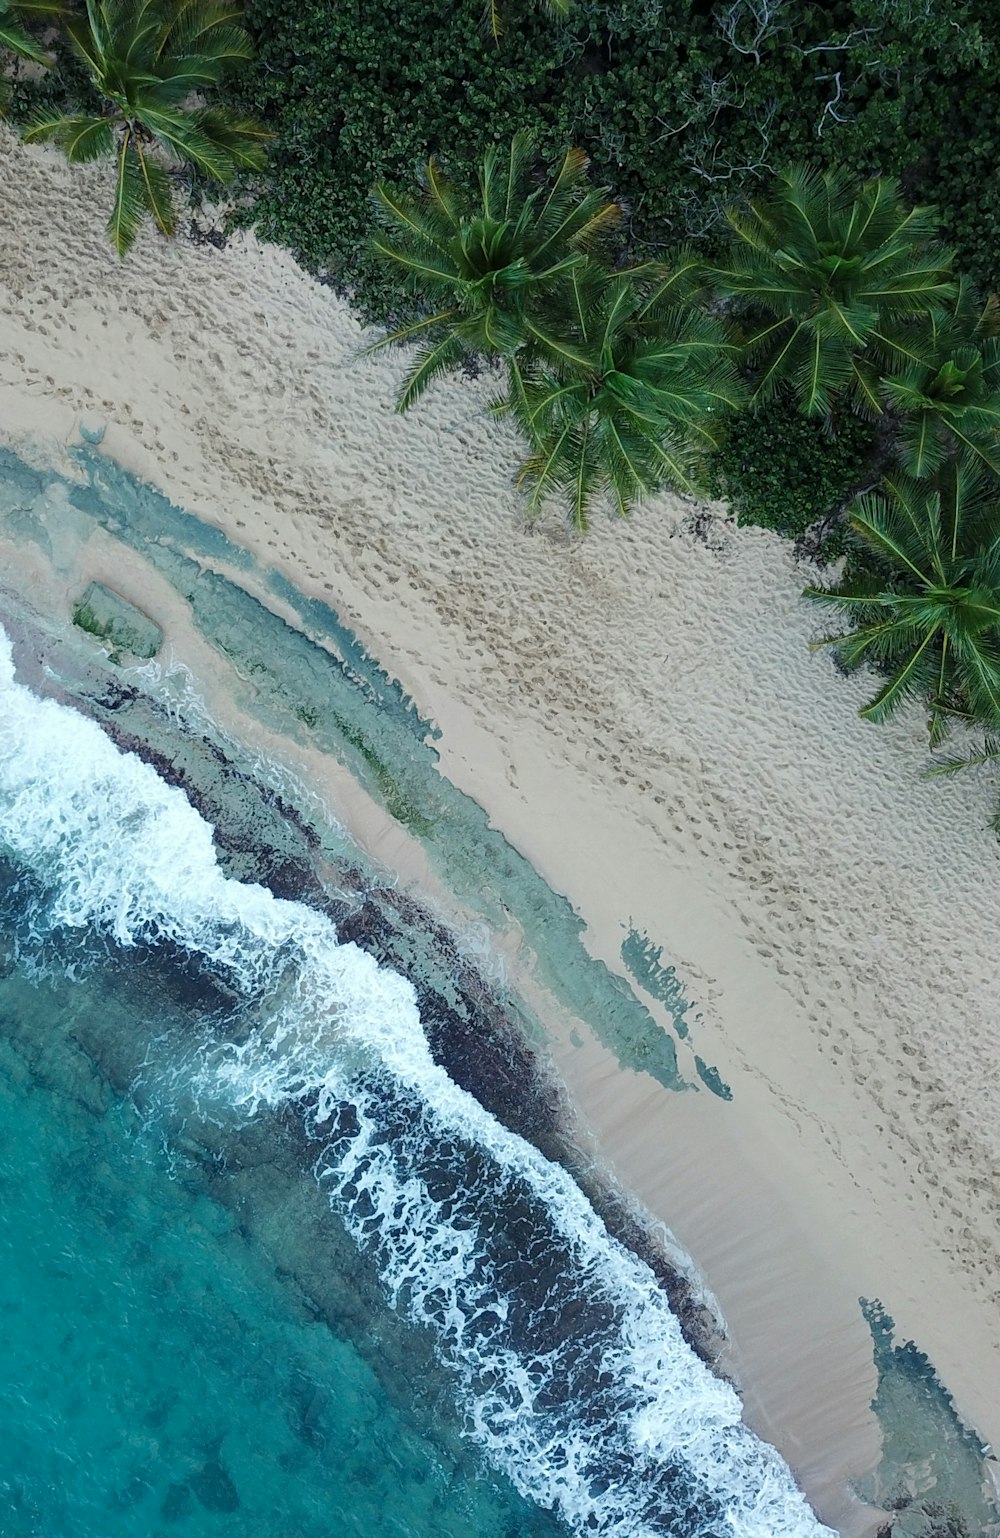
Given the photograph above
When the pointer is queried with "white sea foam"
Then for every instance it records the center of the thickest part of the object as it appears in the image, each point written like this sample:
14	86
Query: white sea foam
120	850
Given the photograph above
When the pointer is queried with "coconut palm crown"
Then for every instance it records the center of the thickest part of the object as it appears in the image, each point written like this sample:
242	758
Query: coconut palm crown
150	61
485	268
629	392
946	391
827	282
927	614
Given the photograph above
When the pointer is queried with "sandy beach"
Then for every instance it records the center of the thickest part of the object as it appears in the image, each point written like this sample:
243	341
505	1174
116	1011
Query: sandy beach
638	711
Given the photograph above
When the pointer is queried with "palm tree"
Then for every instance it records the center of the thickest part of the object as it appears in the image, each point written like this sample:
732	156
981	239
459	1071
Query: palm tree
15	17
149	61
625	392
925	606
829	283
486	268
947	391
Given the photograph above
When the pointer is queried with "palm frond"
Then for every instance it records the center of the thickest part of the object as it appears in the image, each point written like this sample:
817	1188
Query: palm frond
432	359
904	683
15	38
492	19
989	753
129	206
157	191
243	140
821	275
183	136
80	138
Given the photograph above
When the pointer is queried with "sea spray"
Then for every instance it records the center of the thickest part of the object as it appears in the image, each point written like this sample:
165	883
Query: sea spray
572	1370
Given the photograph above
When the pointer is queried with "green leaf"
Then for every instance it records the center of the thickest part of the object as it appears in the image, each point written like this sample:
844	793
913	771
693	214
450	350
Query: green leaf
158	194
431	361
86	138
129	203
898	686
180	132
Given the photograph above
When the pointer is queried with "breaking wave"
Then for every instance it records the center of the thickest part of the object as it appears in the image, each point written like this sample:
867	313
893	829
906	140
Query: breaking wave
572	1372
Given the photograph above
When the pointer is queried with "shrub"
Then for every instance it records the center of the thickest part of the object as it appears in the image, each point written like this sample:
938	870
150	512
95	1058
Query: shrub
782	471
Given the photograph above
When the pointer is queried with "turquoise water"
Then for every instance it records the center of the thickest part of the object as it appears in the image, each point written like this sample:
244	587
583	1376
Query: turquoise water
157	1376
268	1266
264	1268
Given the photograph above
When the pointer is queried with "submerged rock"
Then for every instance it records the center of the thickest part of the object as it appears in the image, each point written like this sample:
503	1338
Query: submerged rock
104	613
214	1488
177	1503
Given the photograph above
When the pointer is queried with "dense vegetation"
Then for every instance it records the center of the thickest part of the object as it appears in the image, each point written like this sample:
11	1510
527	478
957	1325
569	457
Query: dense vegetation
731	283
680	105
684	107
831	306
782	471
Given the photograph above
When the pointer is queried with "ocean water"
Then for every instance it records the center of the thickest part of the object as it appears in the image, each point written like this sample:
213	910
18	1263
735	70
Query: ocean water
265	1267
157	1376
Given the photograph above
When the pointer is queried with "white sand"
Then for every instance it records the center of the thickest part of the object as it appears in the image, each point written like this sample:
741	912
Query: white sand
639	713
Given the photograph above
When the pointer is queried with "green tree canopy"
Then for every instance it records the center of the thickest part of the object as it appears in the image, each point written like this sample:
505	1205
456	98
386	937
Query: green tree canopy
924	608
486	269
626	391
150	62
829	283
947	392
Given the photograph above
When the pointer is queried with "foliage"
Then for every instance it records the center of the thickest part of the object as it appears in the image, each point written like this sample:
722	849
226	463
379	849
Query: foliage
671	112
349	112
486	268
680	106
928	613
975	758
626	393
830	283
948	393
780	470
935	71
146	60
493	19
16	16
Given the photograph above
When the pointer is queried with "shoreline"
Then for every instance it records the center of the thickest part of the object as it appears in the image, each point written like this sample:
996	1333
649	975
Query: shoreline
475	1033
787	858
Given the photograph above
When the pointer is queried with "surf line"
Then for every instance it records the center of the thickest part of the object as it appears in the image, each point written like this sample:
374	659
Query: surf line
572	1371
